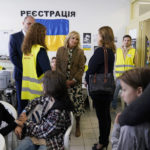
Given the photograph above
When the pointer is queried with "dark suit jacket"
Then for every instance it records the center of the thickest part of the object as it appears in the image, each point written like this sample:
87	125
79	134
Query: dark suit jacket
8	118
15	53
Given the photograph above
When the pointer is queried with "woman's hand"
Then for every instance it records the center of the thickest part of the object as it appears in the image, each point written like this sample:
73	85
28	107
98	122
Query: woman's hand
19	123
18	132
117	117
70	83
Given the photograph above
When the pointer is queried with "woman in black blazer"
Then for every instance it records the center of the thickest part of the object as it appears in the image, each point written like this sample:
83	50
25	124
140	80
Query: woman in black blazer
102	101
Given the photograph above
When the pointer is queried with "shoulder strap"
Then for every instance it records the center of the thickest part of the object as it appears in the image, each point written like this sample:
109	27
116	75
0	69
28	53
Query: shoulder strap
105	64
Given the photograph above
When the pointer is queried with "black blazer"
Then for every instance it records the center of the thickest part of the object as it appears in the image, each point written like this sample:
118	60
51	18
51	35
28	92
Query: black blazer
96	63
15	53
8	118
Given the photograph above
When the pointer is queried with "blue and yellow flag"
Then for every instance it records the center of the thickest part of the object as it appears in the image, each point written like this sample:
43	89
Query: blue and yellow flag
86	47
57	29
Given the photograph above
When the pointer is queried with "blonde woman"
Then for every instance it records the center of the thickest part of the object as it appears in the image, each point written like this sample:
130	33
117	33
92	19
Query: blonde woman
70	63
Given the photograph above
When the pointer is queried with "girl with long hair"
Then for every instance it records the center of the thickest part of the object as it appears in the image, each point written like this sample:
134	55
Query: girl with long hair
47	133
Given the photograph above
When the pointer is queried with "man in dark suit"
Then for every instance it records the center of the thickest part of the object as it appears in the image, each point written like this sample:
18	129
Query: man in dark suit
15	54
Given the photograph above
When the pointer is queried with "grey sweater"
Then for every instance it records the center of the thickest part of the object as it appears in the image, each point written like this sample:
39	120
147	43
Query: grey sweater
131	137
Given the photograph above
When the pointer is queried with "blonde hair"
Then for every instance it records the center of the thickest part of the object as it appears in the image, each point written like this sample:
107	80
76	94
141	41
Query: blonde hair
107	35
71	34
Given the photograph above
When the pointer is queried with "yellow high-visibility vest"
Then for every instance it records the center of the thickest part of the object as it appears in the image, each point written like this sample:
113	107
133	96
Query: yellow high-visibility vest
124	64
31	83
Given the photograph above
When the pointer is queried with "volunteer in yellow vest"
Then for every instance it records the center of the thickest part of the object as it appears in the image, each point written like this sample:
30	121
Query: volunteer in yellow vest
125	60
35	62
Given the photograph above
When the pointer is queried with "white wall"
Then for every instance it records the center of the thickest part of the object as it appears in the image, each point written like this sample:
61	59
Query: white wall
90	15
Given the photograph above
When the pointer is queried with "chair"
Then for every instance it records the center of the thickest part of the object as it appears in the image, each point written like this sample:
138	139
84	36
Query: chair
13	112
10	109
2	143
67	134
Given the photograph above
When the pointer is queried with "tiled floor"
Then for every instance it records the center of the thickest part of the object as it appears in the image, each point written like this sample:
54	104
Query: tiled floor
89	131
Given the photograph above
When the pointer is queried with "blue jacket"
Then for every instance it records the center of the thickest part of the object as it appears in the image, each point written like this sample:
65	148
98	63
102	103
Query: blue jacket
15	53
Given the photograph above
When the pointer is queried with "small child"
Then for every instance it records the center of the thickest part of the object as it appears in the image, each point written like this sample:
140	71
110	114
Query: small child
133	83
53	64
48	132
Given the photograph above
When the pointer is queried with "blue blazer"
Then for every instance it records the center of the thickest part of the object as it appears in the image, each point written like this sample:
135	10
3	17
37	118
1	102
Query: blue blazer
15	53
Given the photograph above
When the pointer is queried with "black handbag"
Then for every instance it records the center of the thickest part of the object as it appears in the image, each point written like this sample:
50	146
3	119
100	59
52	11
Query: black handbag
102	83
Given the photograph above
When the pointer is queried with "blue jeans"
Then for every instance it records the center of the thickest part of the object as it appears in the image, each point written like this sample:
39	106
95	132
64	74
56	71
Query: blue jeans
26	144
115	97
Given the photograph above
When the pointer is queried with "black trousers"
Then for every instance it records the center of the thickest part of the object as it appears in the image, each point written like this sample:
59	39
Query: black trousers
21	104
102	106
18	90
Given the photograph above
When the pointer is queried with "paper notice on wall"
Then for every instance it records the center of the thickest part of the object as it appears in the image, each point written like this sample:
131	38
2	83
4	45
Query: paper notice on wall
133	33
95	39
4	41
